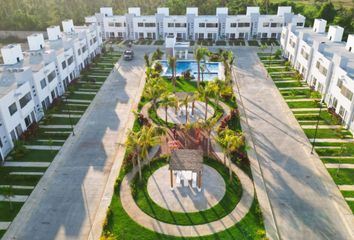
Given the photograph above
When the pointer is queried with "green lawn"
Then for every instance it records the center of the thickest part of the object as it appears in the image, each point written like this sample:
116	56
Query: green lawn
288	84
344	176
327	133
307	104
8	214
253	43
225	206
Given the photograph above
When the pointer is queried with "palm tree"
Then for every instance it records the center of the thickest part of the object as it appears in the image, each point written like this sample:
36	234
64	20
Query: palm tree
132	145
202	69
214	89
231	141
185	102
208	126
147	60
166	101
199	55
150	136
204	93
172	62
154	89
185	129
8	194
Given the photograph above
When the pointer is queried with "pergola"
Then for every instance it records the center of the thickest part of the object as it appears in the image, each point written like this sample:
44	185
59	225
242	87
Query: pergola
188	161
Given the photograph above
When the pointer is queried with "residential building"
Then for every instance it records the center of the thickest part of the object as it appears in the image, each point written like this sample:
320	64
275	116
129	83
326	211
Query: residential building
193	26
31	80
325	62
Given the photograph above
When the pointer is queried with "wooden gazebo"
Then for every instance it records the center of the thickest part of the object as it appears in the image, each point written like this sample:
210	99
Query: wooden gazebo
187	160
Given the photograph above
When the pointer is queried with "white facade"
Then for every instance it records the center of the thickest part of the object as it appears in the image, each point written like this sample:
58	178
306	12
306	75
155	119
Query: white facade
30	81
193	26
325	62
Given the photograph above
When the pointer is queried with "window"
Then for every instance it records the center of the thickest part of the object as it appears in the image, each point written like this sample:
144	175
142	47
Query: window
299	24
264	35
246	24
12	109
273	25
70	60
170	25
25	99
51	76
43	83
83	49
304	54
211	25
28	120
266	24
63	64
79	52
346	93
141	35
201	36
321	68
241	35
233	25
181	25
210	36
150	24
118	24
201	25
140	24
340	83
111	24
342	112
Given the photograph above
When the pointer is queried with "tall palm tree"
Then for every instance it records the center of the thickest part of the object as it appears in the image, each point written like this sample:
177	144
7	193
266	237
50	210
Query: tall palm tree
231	141
199	55
172	62
154	89
208	126
185	103
166	101
150	136
132	145
185	129
204	93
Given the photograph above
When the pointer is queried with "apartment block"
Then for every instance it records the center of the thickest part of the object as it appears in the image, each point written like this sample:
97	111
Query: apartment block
30	81
325	62
193	26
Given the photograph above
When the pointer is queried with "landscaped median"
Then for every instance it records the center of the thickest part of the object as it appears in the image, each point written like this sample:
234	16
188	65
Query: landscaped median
333	143
31	157
135	214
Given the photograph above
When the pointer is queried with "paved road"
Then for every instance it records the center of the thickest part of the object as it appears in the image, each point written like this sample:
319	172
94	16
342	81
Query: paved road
304	203
71	199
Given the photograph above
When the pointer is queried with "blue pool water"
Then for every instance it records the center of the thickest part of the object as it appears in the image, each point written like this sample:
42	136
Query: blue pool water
211	69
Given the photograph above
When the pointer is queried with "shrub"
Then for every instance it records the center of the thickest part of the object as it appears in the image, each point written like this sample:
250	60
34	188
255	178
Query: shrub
158	68
30	132
19	150
187	75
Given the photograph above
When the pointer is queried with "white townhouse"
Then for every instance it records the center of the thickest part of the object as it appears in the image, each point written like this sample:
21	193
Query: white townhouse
31	80
193	26
325	62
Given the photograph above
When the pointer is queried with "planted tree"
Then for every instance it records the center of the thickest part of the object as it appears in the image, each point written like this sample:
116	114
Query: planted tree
208	126
172	62
147	60
199	55
166	101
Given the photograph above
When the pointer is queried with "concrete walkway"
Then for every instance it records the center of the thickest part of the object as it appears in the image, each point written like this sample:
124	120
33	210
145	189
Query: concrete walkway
4	225
17	187
340	165
42	147
298	197
66	115
56	126
26	164
14	198
346	187
71	199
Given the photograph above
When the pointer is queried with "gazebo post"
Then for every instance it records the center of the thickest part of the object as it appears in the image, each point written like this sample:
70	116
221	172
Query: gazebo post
171	176
199	180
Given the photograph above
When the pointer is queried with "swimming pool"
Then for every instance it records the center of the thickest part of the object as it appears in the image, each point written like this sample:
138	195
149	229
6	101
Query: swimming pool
212	69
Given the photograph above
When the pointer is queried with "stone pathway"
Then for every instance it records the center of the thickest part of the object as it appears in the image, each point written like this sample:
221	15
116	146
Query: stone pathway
53	140
73	111
14	198
301	100
58	132
4	225
285	81
26	164
18	187
56	126
340	165
305	109
85	93
66	115
78	105
78	101
27	173
349	199
321	126
293	88
346	187
43	147
333	140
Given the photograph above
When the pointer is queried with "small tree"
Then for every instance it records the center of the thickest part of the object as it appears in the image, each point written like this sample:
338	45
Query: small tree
8	194
199	55
277	54
172	62
147	60
167	101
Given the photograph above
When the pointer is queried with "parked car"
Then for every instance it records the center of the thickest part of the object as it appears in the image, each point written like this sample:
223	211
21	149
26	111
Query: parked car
128	54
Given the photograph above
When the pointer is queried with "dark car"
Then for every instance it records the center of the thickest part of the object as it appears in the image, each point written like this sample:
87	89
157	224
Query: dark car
128	54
